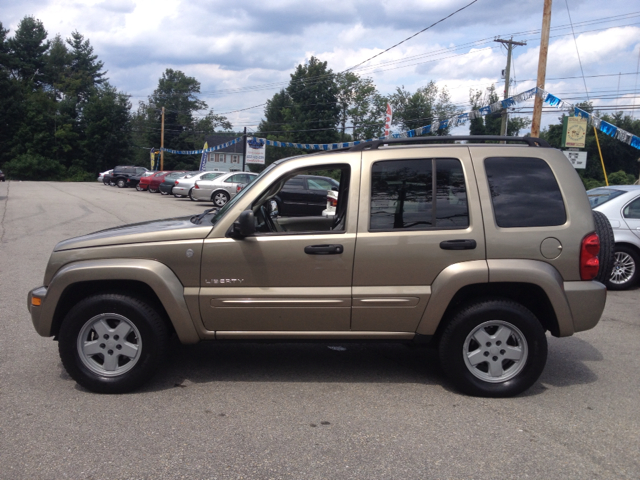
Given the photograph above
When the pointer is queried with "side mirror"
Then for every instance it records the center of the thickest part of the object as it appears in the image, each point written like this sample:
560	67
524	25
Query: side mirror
245	226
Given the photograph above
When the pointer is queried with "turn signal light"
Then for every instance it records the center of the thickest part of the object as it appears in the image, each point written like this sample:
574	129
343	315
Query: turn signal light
333	202
589	262
36	302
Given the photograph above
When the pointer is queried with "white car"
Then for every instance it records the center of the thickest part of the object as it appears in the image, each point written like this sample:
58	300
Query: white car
222	188
101	176
621	205
183	186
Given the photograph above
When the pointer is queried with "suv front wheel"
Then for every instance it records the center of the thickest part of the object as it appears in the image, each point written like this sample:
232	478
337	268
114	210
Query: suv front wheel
494	348
112	343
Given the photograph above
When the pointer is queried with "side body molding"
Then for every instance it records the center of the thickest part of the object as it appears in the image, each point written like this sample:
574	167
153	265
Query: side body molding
156	275
445	286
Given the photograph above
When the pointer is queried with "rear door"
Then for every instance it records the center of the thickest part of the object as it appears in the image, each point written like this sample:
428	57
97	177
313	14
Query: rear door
631	215
419	213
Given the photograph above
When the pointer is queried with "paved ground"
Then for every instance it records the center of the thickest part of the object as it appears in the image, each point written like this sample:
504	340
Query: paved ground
292	411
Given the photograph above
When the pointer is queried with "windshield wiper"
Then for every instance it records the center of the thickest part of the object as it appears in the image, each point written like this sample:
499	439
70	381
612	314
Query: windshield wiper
197	219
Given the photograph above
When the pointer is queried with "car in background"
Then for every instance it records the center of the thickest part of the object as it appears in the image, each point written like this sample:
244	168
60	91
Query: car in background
121	173
156	180
169	182
222	188
332	203
305	196
101	175
1	176
184	185
134	181
621	205
144	182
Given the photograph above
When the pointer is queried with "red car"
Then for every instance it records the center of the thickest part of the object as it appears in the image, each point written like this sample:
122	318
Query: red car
144	181
156	180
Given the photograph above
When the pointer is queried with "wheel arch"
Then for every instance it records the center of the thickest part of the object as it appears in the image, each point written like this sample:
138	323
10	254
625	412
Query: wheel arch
536	285
148	279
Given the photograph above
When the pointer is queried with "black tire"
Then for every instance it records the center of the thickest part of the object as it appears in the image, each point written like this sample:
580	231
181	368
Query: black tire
164	193
219	198
624	273
121	183
191	196
522	338
153	190
138	188
607	242
145	344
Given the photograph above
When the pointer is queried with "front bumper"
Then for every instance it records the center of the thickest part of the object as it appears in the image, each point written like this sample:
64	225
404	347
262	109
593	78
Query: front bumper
35	304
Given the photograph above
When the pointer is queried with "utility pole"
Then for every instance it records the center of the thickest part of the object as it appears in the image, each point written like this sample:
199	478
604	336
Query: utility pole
509	43
244	148
162	142
542	67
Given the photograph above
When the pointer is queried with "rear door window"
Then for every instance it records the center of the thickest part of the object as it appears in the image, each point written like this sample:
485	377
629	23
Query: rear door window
402	195
524	192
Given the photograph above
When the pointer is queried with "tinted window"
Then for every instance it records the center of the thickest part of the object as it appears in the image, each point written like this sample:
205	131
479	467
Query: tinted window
632	210
210	176
402	195
294	184
598	196
320	184
524	192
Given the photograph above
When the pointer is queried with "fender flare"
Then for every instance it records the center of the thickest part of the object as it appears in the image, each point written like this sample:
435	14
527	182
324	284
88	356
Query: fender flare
156	275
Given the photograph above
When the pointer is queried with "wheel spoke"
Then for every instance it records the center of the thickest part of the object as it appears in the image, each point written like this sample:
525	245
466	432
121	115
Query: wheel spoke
91	348
481	336
476	357
110	362
495	369
503	334
123	329
129	350
513	353
101	327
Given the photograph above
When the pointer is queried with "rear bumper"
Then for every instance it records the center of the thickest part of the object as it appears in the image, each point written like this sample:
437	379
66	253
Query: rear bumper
587	301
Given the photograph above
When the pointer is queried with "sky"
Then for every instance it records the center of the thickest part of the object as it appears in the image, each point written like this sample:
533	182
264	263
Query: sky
244	52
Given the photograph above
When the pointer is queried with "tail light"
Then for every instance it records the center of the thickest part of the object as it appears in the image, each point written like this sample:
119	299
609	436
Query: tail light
589	263
176	182
333	202
238	188
196	187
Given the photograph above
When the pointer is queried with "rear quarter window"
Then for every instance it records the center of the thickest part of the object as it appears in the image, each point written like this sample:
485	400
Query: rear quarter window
524	192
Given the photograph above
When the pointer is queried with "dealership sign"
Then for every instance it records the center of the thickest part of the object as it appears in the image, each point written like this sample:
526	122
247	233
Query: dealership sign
577	159
256	150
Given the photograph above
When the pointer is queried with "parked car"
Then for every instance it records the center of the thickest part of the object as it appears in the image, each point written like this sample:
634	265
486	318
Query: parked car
166	187
478	249
621	205
120	174
156	180
134	181
304	195
143	184
222	188
1	176
183	186
101	176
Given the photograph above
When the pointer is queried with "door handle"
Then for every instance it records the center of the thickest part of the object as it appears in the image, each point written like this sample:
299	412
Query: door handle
458	245
323	249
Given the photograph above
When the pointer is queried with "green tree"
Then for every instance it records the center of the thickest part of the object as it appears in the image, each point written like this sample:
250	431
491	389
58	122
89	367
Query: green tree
85	70
490	124
27	48
355	100
313	115
424	107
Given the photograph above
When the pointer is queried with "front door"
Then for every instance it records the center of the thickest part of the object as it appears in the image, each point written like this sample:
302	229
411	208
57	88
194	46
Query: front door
284	279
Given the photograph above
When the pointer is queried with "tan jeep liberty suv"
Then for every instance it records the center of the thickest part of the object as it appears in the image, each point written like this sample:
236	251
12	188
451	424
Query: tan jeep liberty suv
477	248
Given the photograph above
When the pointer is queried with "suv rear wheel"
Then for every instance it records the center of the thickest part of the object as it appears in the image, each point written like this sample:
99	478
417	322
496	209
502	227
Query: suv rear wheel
112	343
494	348
121	183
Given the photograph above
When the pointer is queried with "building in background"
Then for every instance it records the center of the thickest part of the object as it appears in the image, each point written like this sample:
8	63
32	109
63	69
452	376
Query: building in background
228	159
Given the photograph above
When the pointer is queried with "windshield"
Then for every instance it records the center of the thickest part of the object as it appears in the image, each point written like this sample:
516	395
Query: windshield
220	213
598	196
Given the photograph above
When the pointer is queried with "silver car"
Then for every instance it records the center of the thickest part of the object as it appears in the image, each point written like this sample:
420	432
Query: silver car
621	205
221	188
184	186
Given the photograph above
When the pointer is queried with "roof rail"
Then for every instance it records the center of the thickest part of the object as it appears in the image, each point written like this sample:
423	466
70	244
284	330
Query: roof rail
531	141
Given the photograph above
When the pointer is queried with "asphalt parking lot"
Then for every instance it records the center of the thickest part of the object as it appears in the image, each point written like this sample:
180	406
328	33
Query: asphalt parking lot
300	411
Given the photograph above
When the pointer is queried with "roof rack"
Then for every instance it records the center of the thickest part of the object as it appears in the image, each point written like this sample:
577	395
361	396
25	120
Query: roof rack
531	141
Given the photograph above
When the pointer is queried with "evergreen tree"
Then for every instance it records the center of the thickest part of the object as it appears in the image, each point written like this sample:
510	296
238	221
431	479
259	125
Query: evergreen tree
313	115
27	48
